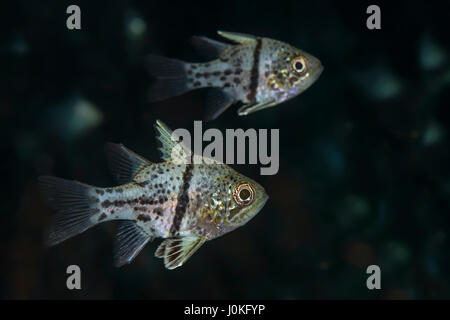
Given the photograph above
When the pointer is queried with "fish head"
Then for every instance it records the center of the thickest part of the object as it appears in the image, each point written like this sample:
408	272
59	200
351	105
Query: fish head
305	69
245	198
291	72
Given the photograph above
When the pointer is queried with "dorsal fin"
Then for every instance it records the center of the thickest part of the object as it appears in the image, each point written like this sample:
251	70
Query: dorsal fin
130	240
237	37
177	251
123	162
208	48
171	148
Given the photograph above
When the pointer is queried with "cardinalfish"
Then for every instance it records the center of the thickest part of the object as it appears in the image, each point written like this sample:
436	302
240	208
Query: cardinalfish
259	72
181	201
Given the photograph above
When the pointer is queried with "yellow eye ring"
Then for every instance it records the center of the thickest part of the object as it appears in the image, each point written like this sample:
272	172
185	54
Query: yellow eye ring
243	194
299	65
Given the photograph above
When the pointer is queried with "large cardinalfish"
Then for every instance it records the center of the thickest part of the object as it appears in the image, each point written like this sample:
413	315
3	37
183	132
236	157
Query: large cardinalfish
187	204
259	72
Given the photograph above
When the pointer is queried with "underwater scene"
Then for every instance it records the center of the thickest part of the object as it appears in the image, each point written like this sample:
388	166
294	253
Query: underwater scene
287	150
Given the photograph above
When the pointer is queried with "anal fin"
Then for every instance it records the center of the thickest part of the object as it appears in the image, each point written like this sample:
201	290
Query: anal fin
178	250
130	240
217	101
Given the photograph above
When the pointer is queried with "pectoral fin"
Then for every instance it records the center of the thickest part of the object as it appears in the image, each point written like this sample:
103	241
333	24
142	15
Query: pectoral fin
177	250
237	37
250	108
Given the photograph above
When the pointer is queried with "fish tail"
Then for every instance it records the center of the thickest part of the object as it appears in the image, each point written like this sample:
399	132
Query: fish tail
77	206
170	78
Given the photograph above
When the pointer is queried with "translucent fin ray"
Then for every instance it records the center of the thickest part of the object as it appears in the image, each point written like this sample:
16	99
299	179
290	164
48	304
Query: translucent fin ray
208	48
123	162
130	240
177	251
169	77
75	204
217	101
250	108
171	148
237	37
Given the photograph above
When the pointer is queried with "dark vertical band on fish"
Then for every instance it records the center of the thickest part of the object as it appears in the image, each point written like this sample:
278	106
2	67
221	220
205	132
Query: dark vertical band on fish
183	200
254	74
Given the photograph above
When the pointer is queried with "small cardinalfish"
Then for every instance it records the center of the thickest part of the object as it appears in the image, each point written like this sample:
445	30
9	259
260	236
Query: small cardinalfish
259	72
185	202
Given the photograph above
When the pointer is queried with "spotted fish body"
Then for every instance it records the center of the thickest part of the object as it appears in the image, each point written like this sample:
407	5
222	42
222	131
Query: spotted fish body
185	203
259	72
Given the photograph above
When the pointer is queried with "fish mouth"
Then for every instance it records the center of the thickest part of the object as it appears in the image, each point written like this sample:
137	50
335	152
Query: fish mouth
312	78
317	72
262	203
247	216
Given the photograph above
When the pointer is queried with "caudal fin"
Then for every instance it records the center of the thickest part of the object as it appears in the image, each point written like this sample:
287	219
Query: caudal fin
76	204
169	77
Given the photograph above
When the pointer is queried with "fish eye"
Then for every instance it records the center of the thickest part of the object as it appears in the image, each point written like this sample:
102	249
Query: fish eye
243	194
299	65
